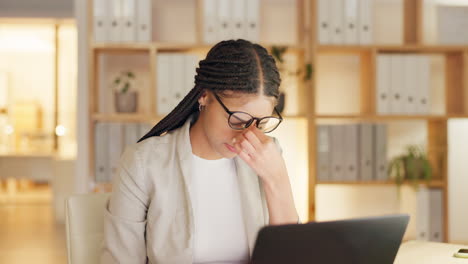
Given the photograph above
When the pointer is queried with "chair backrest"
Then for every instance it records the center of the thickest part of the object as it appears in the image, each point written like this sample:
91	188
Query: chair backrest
84	218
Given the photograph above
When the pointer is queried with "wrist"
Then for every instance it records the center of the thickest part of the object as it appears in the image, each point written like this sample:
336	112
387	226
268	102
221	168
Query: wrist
275	184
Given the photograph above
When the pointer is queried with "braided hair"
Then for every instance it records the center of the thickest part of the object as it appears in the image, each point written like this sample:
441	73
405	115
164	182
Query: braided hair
231	65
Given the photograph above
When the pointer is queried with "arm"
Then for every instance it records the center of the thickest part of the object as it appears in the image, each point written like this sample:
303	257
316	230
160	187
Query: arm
261	153
125	215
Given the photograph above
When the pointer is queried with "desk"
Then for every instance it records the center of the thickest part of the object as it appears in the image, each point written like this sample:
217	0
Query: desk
422	252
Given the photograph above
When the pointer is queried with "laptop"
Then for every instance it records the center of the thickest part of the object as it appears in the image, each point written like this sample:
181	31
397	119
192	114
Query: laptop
374	240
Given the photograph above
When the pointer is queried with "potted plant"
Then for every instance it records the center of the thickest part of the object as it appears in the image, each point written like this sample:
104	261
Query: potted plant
126	99
278	53
412	165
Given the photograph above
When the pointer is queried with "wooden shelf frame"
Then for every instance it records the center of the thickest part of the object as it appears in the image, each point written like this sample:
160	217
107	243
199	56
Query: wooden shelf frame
151	49
429	184
456	95
308	48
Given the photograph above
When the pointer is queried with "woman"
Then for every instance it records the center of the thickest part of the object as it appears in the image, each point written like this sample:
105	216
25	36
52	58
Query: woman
199	186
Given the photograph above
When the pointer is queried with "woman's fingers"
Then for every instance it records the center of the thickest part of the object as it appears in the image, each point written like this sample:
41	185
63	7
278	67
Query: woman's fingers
253	138
247	147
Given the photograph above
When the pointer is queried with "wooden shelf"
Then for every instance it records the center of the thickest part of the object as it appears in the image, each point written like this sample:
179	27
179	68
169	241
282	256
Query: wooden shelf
391	48
26	155
125	118
344	48
384	117
116	117
308	51
458	116
130	47
431	184
421	48
167	46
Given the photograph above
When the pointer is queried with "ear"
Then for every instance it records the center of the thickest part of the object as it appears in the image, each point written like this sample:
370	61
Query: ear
203	99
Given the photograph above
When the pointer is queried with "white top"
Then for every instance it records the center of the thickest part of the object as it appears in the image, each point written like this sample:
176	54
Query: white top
219	235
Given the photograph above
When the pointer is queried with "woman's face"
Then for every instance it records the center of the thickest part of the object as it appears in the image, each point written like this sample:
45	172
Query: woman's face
215	119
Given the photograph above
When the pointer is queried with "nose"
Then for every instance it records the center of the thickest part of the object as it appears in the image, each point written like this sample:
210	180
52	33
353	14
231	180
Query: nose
251	122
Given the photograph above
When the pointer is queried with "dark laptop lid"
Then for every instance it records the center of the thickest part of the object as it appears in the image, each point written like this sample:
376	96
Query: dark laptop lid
357	241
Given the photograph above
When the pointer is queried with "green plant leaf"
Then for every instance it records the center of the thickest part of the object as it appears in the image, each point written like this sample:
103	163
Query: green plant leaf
308	71
277	52
126	87
130	75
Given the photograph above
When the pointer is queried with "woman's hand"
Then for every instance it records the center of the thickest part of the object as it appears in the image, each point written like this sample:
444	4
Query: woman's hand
262	155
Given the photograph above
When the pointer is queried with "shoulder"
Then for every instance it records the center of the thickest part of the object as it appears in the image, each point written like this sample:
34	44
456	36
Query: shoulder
276	141
154	148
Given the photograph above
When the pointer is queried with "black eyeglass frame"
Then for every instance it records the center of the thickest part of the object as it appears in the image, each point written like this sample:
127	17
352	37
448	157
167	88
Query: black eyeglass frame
258	119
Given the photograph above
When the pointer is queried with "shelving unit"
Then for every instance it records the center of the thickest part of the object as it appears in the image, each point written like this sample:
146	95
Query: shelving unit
308	49
150	50
456	105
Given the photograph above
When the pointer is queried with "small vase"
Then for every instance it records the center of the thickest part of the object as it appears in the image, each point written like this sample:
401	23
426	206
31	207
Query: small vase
126	102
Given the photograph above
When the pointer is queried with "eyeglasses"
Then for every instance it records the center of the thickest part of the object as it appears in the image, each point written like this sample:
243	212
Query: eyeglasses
240	120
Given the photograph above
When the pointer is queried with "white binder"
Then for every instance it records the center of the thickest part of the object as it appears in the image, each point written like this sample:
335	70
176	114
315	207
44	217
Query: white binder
163	84
178	77
380	152
210	21
383	84
423	214
128	21
323	153
452	22
436	226
239	29
191	64
337	153
351	22
351	161
144	21
101	21
101	152
253	20
115	138
115	32
424	75
410	84
366	155
366	23
323	21
131	133
397	84
224	20
337	21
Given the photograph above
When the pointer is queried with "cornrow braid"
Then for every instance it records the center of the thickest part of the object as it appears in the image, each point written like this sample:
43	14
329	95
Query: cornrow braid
177	117
231	65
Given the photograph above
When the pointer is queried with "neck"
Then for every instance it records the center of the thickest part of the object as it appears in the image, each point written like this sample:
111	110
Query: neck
200	144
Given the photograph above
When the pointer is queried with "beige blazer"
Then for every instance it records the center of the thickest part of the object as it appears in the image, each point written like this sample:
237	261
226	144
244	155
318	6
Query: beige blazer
149	218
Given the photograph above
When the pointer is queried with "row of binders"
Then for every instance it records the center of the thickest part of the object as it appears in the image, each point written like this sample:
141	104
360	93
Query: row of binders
110	140
230	19
175	77
345	22
122	21
430	213
352	152
403	84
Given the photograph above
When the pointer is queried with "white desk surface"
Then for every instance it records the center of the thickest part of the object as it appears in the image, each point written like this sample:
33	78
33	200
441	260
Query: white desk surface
422	252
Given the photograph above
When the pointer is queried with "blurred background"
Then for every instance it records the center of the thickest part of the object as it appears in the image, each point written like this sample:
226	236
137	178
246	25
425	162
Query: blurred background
374	95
